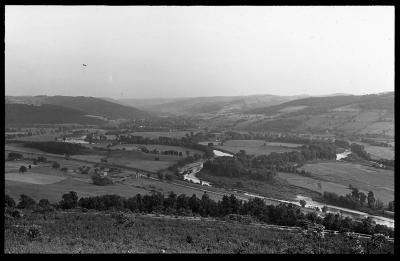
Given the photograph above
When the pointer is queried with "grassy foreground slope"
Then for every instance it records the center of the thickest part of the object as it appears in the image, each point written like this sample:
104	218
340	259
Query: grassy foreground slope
101	232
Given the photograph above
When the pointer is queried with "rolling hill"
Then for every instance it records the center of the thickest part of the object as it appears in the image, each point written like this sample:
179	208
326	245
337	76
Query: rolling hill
207	105
344	114
87	105
46	114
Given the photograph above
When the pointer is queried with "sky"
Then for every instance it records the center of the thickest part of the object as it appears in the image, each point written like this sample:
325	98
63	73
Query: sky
191	51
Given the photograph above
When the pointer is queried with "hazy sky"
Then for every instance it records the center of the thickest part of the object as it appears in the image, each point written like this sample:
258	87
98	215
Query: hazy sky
140	52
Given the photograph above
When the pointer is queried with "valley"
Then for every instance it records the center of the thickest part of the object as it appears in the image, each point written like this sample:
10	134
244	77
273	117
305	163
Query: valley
197	155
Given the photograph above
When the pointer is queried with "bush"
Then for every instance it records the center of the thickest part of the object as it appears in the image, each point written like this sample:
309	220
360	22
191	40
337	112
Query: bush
26	202
44	203
69	200
101	180
22	169
34	232
55	165
14	156
9	201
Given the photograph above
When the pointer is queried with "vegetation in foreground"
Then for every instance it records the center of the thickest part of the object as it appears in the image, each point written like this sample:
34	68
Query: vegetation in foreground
77	231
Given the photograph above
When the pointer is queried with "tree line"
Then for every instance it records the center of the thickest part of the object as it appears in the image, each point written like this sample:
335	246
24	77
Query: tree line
283	214
356	200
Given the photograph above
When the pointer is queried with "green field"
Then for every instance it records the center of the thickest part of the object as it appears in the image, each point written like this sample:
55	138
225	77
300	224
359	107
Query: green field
380	181
137	159
156	134
378	152
279	188
312	184
256	147
44	137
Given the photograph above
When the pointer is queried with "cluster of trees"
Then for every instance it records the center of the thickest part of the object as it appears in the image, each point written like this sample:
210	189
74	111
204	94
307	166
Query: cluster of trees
190	141
14	156
342	143
386	162
237	168
101	180
264	167
57	147
360	151
286	215
354	200
166	152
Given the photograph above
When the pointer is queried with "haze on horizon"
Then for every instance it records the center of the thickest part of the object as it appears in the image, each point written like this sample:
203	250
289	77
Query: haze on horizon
145	52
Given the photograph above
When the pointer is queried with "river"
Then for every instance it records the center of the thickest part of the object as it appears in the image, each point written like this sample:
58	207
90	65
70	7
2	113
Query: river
343	155
195	167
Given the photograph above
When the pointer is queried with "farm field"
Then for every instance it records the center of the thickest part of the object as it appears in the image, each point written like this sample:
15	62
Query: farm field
254	147
156	134
33	178
44	137
279	188
157	147
312	184
380	181
378	152
137	159
54	192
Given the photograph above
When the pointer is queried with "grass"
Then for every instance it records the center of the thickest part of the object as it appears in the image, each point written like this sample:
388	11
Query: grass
278	188
156	134
378	152
41	137
34	178
98	232
255	147
312	183
137	159
380	181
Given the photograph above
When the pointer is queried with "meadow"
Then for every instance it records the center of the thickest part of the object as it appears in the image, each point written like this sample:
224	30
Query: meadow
380	181
155	146
378	152
137	159
156	134
256	147
278	188
100	232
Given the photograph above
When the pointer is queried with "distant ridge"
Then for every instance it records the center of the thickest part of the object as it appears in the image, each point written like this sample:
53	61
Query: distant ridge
46	114
88	105
214	104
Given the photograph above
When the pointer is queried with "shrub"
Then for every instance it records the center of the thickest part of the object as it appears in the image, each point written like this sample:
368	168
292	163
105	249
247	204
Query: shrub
101	180
44	203
26	202
14	156
69	200
34	232
22	169
55	165
9	201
